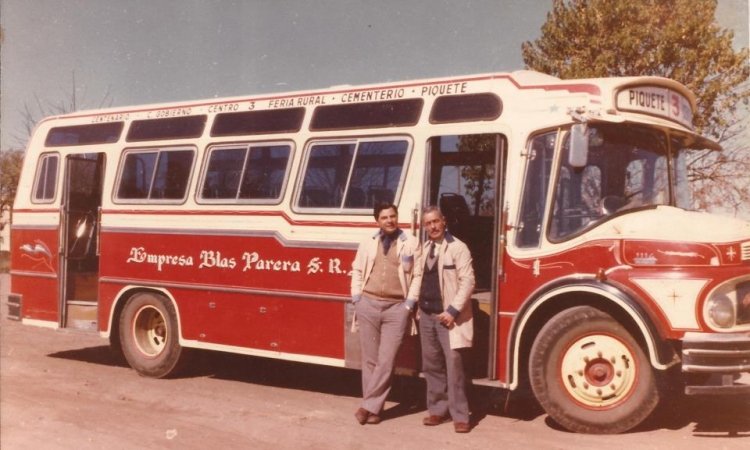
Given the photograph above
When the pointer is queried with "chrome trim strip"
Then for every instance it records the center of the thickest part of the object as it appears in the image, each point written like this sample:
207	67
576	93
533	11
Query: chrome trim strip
24	273
717	369
40	323
716	353
34	227
135	283
264	353
235	233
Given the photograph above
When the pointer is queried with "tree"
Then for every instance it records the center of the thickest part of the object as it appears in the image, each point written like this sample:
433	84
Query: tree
10	170
478	178
677	39
11	160
40	109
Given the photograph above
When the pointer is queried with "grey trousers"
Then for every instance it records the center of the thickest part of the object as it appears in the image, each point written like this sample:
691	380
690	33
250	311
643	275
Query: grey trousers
443	369
381	328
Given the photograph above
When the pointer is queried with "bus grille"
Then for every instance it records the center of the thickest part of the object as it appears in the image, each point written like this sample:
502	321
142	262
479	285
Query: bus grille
745	251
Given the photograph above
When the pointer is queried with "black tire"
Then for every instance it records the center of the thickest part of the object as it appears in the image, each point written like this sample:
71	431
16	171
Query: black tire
590	375
149	336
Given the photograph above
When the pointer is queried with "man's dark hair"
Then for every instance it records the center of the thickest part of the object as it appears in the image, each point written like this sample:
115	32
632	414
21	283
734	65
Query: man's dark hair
381	206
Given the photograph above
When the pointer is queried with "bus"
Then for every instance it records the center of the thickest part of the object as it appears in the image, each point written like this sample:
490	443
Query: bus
230	224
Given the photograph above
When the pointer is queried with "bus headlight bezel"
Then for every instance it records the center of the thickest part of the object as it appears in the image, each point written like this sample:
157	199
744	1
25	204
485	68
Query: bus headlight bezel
723	308
720	311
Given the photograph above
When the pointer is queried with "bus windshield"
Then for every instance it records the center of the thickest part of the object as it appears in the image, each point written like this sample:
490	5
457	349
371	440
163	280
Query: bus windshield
628	168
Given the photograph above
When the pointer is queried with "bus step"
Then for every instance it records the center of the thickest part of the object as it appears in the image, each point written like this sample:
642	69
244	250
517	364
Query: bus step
82	315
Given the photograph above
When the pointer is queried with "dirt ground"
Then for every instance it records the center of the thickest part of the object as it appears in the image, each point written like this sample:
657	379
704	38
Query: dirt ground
62	389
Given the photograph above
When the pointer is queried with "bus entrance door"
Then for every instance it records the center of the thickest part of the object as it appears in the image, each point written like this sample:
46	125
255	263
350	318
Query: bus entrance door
80	253
465	182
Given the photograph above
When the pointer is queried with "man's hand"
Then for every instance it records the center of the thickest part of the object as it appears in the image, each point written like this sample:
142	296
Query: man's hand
446	319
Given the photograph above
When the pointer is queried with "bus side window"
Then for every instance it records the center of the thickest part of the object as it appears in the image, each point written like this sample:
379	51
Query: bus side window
536	186
326	173
155	175
265	172
46	179
378	167
137	173
172	175
222	177
246	173
352	176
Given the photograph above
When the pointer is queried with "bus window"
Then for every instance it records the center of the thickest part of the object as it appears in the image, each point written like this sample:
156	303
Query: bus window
247	172
682	190
155	175
353	175
626	170
170	128
103	133
258	122
265	172
466	108
534	195
46	179
395	113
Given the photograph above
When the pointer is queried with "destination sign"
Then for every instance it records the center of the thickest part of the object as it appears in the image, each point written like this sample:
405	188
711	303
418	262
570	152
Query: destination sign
657	101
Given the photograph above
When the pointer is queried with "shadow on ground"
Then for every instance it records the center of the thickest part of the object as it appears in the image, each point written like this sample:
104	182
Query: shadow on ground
94	355
407	393
708	416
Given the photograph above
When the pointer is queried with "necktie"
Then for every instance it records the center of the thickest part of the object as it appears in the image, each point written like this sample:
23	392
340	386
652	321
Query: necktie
431	257
387	241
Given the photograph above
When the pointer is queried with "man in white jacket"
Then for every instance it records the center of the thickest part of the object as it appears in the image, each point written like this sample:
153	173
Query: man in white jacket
381	273
442	286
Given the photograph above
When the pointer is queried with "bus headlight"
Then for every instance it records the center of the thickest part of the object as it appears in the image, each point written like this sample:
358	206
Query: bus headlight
720	311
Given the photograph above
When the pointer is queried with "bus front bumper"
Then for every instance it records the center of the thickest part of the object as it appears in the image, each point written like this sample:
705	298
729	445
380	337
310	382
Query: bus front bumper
723	359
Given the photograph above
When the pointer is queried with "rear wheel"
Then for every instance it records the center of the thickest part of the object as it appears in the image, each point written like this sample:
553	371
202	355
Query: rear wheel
149	336
590	375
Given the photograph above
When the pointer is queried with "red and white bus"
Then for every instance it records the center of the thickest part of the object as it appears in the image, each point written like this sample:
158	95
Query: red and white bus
230	224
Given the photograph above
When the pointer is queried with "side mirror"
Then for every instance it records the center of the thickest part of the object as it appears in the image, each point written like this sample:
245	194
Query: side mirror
579	145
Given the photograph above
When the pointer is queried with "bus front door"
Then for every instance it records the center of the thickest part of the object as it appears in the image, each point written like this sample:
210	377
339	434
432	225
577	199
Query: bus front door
465	180
79	273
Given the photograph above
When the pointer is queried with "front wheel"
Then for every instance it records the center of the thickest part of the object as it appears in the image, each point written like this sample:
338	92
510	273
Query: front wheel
590	375
149	336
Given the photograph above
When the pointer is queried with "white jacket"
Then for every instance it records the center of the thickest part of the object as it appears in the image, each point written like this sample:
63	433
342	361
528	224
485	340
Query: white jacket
456	276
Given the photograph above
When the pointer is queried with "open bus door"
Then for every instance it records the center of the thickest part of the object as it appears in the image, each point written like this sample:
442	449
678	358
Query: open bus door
79	265
466	174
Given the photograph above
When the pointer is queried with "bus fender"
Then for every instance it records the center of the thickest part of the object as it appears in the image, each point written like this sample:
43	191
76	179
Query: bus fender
124	295
565	293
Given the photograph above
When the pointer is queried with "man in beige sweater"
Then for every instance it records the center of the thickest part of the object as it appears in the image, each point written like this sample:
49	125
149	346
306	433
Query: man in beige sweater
381	273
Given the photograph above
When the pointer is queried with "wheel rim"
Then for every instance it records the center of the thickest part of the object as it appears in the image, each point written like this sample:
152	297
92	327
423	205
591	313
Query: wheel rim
598	371
150	331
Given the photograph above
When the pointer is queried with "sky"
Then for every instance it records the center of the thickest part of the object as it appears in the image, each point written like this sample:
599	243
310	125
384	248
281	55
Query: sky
126	52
